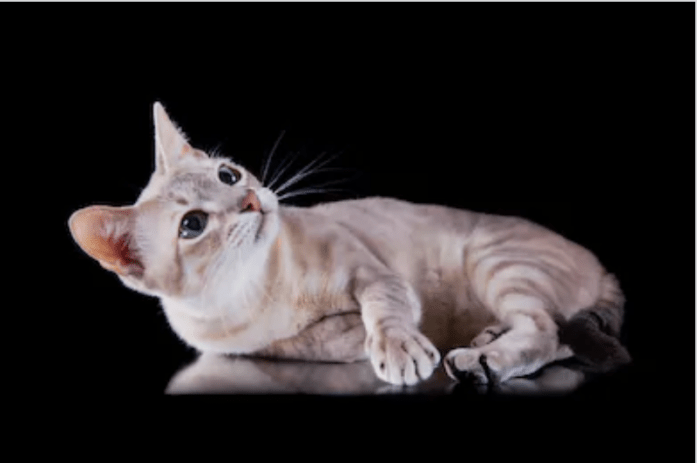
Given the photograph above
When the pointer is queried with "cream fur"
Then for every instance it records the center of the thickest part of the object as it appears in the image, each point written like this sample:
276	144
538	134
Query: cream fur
375	278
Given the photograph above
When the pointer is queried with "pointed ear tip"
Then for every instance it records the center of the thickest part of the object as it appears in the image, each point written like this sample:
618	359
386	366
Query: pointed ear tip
75	218
86	221
158	110
81	222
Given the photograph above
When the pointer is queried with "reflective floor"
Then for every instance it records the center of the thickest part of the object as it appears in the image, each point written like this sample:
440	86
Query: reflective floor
214	374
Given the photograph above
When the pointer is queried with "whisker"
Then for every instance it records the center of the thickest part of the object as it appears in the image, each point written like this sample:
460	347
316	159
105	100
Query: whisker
268	160
319	187
305	171
318	171
284	166
332	182
308	191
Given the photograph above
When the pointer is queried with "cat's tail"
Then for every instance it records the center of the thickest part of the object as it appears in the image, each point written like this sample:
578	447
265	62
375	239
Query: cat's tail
593	333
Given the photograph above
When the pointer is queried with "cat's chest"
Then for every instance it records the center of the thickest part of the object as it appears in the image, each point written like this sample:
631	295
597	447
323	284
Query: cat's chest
233	328
246	324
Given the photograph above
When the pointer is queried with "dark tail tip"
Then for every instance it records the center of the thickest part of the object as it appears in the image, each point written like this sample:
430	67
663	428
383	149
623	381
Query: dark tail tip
594	337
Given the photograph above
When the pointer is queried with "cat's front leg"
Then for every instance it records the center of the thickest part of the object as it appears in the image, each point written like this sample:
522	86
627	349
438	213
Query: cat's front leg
400	354
390	310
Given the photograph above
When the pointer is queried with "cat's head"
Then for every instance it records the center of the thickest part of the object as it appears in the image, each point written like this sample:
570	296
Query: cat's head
198	217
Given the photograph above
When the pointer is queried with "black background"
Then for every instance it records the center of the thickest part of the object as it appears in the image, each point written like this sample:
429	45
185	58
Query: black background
577	116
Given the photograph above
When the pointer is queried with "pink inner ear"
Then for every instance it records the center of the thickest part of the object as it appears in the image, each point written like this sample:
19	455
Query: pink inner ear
104	234
123	255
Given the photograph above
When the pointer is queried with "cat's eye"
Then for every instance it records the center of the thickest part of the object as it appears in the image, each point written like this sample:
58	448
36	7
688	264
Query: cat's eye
193	224
229	175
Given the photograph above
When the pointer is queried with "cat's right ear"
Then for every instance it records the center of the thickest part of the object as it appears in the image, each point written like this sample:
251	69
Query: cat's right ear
171	145
106	234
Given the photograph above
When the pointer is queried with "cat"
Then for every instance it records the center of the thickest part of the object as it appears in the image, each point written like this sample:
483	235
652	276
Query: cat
375	279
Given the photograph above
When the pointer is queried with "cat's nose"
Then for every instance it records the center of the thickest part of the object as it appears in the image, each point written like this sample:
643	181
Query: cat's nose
250	203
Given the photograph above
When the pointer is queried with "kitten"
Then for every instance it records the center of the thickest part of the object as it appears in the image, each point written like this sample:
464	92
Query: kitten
374	279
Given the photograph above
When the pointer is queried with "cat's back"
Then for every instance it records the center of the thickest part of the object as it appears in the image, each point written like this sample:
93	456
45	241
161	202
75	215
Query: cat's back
414	238
399	219
432	234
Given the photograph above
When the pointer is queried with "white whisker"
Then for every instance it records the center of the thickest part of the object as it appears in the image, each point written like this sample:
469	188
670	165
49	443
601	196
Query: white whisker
268	160
284	166
305	171
302	171
318	171
308	191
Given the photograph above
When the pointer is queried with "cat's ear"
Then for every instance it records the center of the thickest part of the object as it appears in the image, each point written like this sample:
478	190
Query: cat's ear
171	145
106	234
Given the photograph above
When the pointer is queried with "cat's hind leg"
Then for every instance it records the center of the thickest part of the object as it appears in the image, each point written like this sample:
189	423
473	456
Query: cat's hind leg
530	343
489	334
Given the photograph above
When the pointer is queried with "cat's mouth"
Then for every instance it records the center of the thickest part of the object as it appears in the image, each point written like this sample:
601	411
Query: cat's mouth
260	220
250	224
253	219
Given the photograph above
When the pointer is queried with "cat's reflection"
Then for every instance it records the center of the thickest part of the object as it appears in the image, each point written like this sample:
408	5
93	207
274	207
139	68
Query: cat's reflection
215	374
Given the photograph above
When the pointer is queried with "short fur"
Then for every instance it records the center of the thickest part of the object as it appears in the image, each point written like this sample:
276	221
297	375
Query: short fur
376	278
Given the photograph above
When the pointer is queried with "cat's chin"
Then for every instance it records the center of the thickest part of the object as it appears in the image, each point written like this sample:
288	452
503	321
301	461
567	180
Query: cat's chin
268	225
262	221
260	226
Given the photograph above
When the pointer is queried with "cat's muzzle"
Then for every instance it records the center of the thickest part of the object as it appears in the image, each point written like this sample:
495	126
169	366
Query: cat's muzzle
251	202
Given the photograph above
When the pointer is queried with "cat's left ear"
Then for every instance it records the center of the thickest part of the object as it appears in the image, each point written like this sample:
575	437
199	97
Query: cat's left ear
106	234
171	145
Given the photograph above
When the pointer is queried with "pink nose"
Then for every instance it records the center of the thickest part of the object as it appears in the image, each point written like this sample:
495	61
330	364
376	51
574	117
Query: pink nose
250	203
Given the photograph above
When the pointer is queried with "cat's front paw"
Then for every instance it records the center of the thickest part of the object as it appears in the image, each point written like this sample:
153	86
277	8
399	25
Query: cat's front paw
401	355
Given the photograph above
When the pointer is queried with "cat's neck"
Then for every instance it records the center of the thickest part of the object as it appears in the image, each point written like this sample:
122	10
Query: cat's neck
298	281
241	311
250	284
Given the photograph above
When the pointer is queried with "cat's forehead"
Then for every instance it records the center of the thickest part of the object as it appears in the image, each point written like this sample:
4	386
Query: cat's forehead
191	181
185	180
200	182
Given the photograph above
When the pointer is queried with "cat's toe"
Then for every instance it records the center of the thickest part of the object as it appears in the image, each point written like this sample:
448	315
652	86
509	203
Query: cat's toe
481	340
402	357
488	335
466	364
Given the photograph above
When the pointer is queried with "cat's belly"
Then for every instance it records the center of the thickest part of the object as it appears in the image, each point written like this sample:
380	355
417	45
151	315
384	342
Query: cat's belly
451	315
334	338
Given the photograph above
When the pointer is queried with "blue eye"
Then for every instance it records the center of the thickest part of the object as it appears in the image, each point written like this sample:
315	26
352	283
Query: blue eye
229	175
193	224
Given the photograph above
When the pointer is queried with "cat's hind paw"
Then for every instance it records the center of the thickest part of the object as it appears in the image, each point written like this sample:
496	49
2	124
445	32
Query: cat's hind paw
401	355
467	364
488	335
